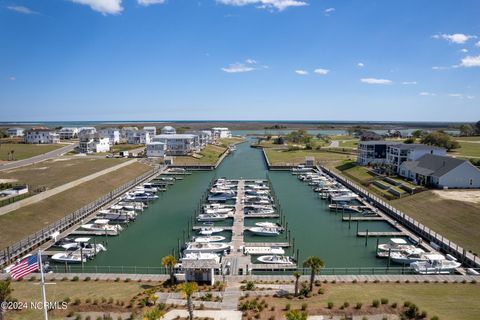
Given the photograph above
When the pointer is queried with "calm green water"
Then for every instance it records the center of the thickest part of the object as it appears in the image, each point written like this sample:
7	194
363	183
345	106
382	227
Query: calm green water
316	230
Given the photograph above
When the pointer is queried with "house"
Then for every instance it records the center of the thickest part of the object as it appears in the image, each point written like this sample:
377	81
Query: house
178	144
221	133
372	152
152	130
113	135
93	143
204	137
441	172
168	130
156	149
139	137
68	133
201	270
369	136
41	135
15	132
127	132
398	153
86	131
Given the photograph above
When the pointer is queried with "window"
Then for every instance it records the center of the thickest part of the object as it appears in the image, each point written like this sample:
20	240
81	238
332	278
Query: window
471	182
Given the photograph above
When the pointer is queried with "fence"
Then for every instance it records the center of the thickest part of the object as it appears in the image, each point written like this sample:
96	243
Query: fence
27	244
439	240
58	268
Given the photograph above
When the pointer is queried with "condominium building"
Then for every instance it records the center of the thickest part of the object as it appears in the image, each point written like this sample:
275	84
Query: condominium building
179	144
93	143
68	133
113	135
41	135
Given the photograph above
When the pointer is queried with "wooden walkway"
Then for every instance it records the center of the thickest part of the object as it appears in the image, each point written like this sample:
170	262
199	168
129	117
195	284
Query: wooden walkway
381	234
267	244
363	219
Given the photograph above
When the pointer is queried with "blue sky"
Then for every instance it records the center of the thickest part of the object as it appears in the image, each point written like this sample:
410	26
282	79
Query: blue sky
240	59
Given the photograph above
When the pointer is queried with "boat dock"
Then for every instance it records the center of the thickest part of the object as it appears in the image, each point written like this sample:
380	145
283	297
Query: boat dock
226	228
267	244
372	218
381	234
94	233
262	216
272	267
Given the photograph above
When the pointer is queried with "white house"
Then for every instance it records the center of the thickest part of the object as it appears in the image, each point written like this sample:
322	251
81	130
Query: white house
178	144
113	135
86	131
41	136
152	130
139	137
373	151
204	137
68	133
441	171
15	132
93	143
168	130
127	132
156	149
398	153
221	133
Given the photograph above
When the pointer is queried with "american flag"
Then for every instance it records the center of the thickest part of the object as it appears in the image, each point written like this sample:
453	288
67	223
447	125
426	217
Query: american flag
24	267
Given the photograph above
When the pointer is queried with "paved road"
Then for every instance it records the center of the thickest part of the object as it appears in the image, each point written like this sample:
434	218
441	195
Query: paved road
42	157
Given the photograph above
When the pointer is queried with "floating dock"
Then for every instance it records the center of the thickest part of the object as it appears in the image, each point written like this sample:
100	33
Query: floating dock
382	234
364	219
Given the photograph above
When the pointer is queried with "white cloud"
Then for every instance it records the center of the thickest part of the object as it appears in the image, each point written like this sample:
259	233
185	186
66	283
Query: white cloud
301	72
360	64
458	38
460	96
280	5
439	68
102	6
238	67
464	50
470	61
477	44
12	78
409	82
321	71
22	9
376	81
328	11
150	2
425	93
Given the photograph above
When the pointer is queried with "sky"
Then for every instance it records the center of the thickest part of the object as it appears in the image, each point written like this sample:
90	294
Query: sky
396	60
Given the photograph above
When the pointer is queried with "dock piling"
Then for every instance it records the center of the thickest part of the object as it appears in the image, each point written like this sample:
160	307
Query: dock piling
366	238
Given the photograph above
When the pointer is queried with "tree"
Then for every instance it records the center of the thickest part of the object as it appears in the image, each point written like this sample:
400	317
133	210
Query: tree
417	134
440	139
409	140
5	293
477	127
296	315
297	275
188	289
314	263
467	130
169	262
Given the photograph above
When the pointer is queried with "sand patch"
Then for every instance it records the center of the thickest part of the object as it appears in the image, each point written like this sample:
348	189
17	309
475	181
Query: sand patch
472	196
8	180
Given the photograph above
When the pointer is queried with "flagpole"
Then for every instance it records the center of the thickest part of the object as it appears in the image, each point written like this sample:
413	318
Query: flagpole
44	295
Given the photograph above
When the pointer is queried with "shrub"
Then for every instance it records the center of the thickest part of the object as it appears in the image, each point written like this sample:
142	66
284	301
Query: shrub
88	300
321	291
77	301
304	306
407	304
375	303
330	305
75	278
394	305
346	304
117	279
66	300
384	301
434	318
87	279
288	306
128	280
423	314
358	306
250	285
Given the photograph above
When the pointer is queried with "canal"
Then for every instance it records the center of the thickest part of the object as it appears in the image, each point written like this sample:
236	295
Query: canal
316	230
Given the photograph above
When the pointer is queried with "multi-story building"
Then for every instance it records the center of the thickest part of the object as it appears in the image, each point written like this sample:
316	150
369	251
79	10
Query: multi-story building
113	135
179	144
221	133
68	133
127	132
168	130
151	130
139	137
86	131
399	153
372	152
41	135
156	149
204	137
93	143
15	132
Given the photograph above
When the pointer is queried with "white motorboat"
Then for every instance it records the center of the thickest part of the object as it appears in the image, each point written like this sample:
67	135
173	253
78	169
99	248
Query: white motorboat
207	210
435	264
345	197
396	244
264	231
257	192
207	231
205	247
68	257
83	245
103	226
141	196
260	211
276	259
263	250
212	217
209	239
170	179
221	196
121	216
201	256
344	208
268	224
408	256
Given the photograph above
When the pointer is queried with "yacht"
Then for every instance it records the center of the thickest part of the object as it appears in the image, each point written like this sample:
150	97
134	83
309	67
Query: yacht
206	247
169	179
120	216
264	231
221	196
82	245
212	217
141	196
276	259
68	257
260	211
209	239
395	245
408	256
300	169
218	210
103	226
343	207
257	192
207	231
435	264
268	224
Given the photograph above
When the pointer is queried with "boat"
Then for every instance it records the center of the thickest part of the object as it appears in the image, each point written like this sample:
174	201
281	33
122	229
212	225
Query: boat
82	245
408	256
208	210
68	257
276	259
268	224
212	217
170	179
435	264
264	231
263	250
221	196
344	208
141	196
206	247
257	192
260	211
121	216
209	239
395	244
233	148
209	231
103	226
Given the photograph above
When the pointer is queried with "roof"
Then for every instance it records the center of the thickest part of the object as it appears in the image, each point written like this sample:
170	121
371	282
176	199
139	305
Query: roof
168	128
175	136
433	165
200	264
16	128
411	146
374	142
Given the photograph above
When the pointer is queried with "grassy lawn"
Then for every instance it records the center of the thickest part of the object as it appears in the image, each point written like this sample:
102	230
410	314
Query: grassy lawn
349	144
476	138
53	173
229	141
468	149
447	301
455	219
358	173
125	147
24	151
18	224
208	156
283	157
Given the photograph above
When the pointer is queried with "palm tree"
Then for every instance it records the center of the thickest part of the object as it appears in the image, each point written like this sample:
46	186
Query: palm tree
314	263
297	275
296	315
169	262
188	289
5	292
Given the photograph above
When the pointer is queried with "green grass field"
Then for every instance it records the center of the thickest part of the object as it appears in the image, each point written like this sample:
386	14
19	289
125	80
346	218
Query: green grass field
18	224
208	156
349	144
468	149
283	157
125	147
25	151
